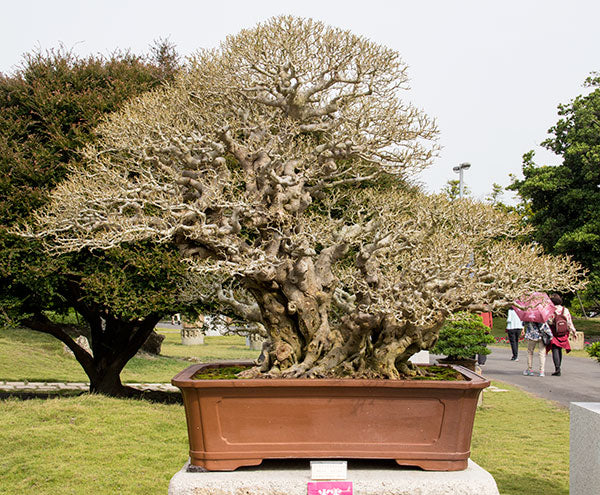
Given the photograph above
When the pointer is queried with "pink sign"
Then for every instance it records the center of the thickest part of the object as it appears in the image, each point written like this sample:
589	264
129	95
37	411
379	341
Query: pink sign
330	488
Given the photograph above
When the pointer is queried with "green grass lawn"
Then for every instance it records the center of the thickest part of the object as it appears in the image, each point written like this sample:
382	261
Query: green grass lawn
93	444
89	445
512	442
215	348
34	356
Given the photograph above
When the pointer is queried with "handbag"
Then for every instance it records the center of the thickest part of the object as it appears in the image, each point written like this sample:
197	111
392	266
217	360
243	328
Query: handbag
546	334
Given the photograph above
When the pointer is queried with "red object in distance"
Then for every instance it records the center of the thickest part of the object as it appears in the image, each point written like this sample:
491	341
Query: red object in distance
488	321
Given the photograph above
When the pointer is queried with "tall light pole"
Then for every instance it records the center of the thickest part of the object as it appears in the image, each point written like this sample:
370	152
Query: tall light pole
459	170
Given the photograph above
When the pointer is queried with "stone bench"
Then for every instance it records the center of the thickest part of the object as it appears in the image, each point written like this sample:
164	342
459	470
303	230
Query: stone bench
577	341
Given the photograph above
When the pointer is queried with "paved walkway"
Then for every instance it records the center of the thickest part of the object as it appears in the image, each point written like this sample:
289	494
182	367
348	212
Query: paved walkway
580	380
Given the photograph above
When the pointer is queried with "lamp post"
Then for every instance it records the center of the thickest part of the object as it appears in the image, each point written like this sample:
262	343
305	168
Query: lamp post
459	170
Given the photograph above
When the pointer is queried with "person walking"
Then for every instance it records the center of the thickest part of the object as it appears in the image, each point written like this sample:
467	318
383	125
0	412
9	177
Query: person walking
514	326
532	332
561	324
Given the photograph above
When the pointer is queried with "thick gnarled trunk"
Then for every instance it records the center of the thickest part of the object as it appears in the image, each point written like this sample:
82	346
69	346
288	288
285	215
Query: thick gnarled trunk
305	343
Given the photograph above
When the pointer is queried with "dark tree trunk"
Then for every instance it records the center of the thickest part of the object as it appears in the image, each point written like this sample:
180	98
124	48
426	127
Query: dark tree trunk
113	342
108	382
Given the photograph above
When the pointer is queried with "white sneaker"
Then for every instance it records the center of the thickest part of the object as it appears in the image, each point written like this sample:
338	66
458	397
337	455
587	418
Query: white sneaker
542	373
528	373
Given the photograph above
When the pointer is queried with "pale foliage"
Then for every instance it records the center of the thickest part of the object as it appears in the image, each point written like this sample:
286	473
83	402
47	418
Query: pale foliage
278	163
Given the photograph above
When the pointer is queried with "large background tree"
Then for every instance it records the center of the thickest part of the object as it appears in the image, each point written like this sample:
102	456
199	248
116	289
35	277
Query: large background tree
564	200
49	108
277	164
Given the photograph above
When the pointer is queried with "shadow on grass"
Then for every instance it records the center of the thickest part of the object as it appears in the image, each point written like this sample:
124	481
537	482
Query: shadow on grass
154	396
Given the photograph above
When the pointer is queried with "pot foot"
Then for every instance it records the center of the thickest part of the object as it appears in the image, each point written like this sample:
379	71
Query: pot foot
203	465
435	465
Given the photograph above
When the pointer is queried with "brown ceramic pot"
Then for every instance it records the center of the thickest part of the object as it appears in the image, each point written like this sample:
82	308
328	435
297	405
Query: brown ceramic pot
233	423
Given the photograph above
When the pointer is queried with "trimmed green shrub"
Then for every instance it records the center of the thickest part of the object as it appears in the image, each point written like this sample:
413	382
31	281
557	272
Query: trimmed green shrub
463	336
594	351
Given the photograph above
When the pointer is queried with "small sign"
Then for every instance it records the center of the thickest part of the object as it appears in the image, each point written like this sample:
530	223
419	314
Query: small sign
330	488
328	470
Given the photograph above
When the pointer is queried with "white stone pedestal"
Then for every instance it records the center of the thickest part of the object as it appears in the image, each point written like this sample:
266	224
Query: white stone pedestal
584	458
290	477
192	336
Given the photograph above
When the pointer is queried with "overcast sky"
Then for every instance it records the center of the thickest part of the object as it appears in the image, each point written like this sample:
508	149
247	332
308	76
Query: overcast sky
491	73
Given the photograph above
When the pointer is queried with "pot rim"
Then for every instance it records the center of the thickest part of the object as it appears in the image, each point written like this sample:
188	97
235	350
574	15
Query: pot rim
183	379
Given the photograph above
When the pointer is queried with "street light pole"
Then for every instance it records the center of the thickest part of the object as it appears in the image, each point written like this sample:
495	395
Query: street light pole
462	167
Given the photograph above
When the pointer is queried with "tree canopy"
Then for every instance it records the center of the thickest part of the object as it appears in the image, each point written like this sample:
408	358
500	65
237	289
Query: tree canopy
49	108
278	163
564	200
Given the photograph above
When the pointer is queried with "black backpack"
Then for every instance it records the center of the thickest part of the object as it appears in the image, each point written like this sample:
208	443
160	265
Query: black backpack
561	326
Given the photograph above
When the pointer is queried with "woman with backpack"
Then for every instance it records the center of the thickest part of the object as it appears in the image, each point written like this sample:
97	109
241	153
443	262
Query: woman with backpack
561	325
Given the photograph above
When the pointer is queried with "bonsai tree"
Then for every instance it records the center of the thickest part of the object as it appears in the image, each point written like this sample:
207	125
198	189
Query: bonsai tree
279	164
462	337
